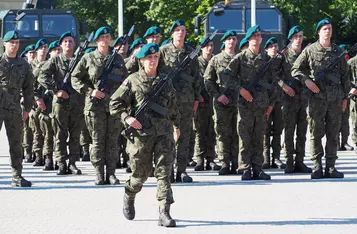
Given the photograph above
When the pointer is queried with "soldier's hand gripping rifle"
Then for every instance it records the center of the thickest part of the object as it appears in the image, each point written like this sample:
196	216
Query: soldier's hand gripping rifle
101	84
149	102
66	83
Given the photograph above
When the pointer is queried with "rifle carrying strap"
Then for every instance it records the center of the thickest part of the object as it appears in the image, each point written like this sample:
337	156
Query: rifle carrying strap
265	84
159	109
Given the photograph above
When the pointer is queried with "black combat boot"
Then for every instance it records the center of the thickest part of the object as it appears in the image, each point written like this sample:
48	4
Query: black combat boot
128	170
240	171
86	155
247	175
300	167
72	168
234	167
28	156
183	177
277	163
191	163
259	174
19	181
48	163
200	165
111	178
224	169
289	166
39	162
212	166
330	170
345	146
165	218
317	173
99	174
128	207
62	168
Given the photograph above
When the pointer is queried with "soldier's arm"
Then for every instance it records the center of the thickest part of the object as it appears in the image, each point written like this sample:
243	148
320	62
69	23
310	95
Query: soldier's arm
27	90
232	71
345	78
80	78
210	79
162	65
300	68
197	81
121	100
46	74
273	93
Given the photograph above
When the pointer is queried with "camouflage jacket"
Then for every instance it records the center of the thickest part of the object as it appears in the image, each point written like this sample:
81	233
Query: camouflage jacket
132	64
243	69
52	74
15	78
352	63
282	70
216	80
86	75
202	65
131	95
187	84
313	60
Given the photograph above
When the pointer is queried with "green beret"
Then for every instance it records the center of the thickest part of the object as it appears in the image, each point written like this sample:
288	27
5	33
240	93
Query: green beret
251	31
270	41
152	31
116	42
243	42
41	42
343	46
176	24
294	30
91	49
222	47
66	34
53	45
10	35
165	42
27	49
101	31
322	23
147	50
229	33
204	39
136	43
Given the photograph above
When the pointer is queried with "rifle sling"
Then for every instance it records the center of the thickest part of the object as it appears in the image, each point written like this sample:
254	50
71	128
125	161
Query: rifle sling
159	109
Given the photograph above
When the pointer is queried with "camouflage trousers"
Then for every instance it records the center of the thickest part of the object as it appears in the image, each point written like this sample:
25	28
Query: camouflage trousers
225	125
295	117
142	151
204	132
274	129
46	126
34	122
27	139
345	124
251	130
324	119
122	144
104	130
183	143
85	139
14	126
67	125
353	111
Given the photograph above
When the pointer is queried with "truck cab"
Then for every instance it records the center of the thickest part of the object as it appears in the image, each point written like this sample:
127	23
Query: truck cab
236	15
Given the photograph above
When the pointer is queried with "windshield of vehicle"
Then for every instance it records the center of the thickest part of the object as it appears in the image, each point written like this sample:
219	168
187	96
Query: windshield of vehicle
27	27
268	19
56	25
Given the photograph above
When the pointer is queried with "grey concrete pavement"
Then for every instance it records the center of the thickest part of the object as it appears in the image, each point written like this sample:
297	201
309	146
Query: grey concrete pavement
212	204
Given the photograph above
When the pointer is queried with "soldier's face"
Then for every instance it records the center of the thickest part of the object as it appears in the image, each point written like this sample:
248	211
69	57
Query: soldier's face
208	49
179	33
12	46
31	55
104	40
255	39
56	51
154	38
42	50
230	42
68	44
297	39
272	50
150	62
123	50
325	31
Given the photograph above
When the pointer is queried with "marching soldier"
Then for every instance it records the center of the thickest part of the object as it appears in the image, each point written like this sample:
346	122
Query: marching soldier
29	53
328	97
187	86
294	109
16	77
243	44
353	76
54	48
224	105
103	128
253	108
132	64
154	142
67	108
153	35
123	52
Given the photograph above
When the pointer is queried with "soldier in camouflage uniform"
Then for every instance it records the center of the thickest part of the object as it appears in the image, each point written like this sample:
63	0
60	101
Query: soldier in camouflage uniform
54	49
16	77
224	105
187	85
152	141
41	49
275	122
67	108
253	108
328	97
294	109
132	64
103	127
353	76
203	121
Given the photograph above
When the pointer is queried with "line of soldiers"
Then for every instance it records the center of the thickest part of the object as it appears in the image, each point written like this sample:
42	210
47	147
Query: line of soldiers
243	100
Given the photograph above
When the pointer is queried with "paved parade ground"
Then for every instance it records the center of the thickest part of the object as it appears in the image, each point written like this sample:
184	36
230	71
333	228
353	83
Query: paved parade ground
212	204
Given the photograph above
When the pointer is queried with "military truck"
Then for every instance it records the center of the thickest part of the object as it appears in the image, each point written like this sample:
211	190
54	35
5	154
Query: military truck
236	15
41	20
